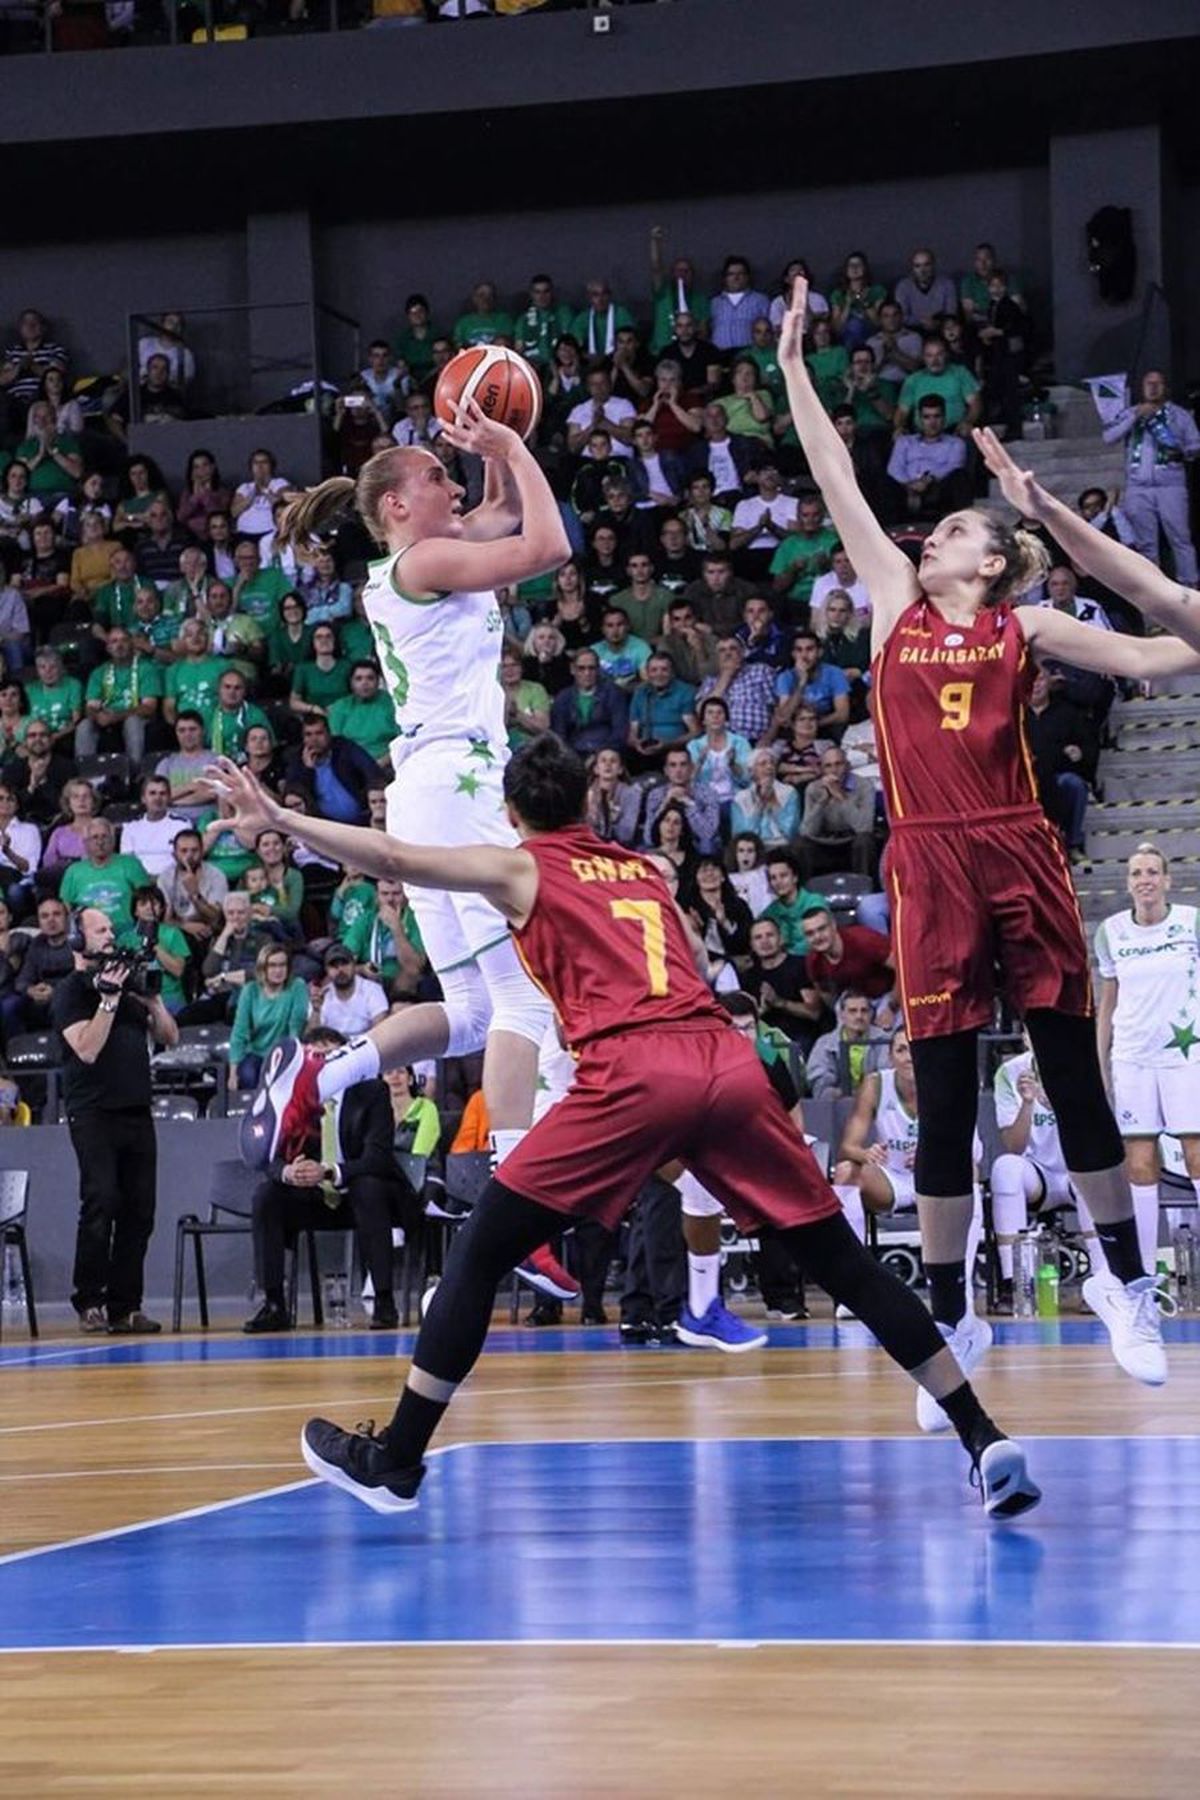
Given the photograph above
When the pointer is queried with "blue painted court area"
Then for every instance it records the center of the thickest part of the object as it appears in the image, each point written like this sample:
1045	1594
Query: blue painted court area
735	1541
228	1347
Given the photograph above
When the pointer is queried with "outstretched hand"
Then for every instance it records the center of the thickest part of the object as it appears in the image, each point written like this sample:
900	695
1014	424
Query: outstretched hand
790	349
473	431
1020	487
253	809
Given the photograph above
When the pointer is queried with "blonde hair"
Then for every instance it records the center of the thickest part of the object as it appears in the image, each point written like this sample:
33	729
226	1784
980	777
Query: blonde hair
1026	559
303	519
1151	849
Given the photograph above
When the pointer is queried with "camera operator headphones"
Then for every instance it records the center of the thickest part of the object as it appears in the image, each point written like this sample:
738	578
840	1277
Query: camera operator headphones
75	934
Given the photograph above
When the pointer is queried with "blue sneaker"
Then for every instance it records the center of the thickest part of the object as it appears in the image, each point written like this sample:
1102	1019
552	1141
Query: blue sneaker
719	1329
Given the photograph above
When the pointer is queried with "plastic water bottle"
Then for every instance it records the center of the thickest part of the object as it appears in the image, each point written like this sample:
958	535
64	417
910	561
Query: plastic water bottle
1026	1257
1187	1268
336	1316
1047	1288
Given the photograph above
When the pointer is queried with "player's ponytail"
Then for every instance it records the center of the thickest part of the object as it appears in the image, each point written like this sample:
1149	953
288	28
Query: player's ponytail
1026	561
303	519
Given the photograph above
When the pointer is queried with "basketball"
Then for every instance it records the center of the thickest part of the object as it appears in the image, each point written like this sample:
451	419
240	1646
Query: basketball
501	383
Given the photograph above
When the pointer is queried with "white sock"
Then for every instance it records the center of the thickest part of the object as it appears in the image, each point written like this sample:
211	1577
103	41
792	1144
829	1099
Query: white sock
974	1239
852	1206
1005	1253
503	1144
1145	1211
704	1276
347	1066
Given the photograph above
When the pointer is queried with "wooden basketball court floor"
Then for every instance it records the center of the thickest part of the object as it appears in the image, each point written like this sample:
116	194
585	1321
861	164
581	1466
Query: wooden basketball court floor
634	1572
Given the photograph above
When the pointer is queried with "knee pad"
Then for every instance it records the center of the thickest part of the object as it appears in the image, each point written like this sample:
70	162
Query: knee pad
698	1203
468	1009
516	1005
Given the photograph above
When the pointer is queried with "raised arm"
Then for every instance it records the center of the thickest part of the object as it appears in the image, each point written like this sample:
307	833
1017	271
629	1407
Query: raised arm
881	564
1060	638
499	512
442	565
508	878
1118	567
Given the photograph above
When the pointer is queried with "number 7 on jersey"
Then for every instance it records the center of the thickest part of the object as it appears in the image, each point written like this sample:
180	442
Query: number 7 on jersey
649	915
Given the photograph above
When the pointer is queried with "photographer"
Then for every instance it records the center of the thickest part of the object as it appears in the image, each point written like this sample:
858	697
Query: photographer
105	1015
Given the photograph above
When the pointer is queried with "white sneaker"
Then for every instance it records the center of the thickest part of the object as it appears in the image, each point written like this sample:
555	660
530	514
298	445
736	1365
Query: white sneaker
842	1311
970	1340
1007	1488
1132	1317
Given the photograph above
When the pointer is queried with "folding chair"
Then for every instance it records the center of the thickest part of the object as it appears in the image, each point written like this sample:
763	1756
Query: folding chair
231	1188
14	1208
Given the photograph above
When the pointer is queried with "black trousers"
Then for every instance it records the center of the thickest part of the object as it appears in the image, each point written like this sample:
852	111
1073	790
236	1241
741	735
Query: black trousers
279	1212
117	1154
656	1270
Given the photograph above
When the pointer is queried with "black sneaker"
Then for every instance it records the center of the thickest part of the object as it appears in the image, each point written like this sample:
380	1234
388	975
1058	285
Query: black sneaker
356	1461
637	1331
384	1316
593	1315
546	1312
134	1324
269	1317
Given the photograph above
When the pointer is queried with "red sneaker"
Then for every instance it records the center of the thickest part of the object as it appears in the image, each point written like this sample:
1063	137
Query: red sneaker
286	1111
544	1272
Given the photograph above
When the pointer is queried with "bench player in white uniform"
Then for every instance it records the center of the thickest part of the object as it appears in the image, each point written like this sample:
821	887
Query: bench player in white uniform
438	629
1030	1172
877	1157
1148	957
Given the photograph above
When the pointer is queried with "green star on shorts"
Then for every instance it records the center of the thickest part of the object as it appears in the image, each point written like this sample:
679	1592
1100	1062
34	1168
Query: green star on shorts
482	751
1183	1037
468	784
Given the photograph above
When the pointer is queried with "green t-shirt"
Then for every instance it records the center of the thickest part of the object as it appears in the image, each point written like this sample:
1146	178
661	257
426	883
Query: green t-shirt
537	329
174	943
48	477
122	687
225	732
159	632
666	305
857	303
321	687
260	598
371	723
57	706
530	696
417	352
622	320
284	652
263	1020
235	638
955	384
739	416
349	904
193	685
789	914
645	616
357	640
828	369
112	604
110	888
370	942
225	853
867	417
808	555
768	367
482	328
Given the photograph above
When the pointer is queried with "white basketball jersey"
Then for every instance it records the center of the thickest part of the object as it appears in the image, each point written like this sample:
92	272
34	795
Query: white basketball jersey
895	1126
1156	968
1044	1146
555	1073
441	663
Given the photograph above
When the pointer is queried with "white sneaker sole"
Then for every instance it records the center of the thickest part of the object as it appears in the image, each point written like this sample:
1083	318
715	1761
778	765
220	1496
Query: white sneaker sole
930	1416
258	1139
546	1284
1008	1490
380	1500
699	1341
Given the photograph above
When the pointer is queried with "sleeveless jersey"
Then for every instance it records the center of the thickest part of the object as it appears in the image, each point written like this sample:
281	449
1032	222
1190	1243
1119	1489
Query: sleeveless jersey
895	1126
605	943
949	716
440	660
1044	1147
1157	969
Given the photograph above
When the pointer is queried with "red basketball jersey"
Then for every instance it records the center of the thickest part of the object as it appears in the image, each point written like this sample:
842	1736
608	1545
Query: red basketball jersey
605	943
949	707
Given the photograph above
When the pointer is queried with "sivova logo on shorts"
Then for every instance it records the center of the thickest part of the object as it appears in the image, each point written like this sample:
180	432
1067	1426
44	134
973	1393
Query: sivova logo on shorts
941	999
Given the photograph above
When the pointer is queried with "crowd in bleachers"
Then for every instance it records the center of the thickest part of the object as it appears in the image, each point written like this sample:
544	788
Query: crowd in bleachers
706	648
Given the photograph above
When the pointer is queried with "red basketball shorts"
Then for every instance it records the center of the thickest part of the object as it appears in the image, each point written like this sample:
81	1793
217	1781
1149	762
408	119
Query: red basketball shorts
643	1098
978	902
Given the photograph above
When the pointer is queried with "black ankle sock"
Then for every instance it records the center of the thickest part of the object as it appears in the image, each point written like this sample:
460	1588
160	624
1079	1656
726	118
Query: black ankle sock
413	1424
968	1418
1119	1241
947	1290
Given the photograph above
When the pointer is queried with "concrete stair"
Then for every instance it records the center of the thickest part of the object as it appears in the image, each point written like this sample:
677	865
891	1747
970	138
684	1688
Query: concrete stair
1077	457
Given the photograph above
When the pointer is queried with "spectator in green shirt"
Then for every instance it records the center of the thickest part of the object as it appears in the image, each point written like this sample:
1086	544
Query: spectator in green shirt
273	1006
595	328
414	342
803	555
227	723
791	901
153	630
542	323
171	949
385	942
103	879
190	683
123	695
675	290
235	636
317	684
55	697
112	604
484	324
366	715
52	457
289	644
258	591
953	382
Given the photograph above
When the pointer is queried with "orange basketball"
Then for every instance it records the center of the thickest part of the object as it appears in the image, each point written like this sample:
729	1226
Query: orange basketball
501	383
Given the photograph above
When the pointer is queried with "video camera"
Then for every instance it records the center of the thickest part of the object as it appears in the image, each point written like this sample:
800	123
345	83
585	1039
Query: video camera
145	977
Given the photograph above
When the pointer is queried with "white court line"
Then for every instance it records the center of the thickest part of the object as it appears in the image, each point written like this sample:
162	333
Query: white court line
98	1474
423	1645
560	1387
